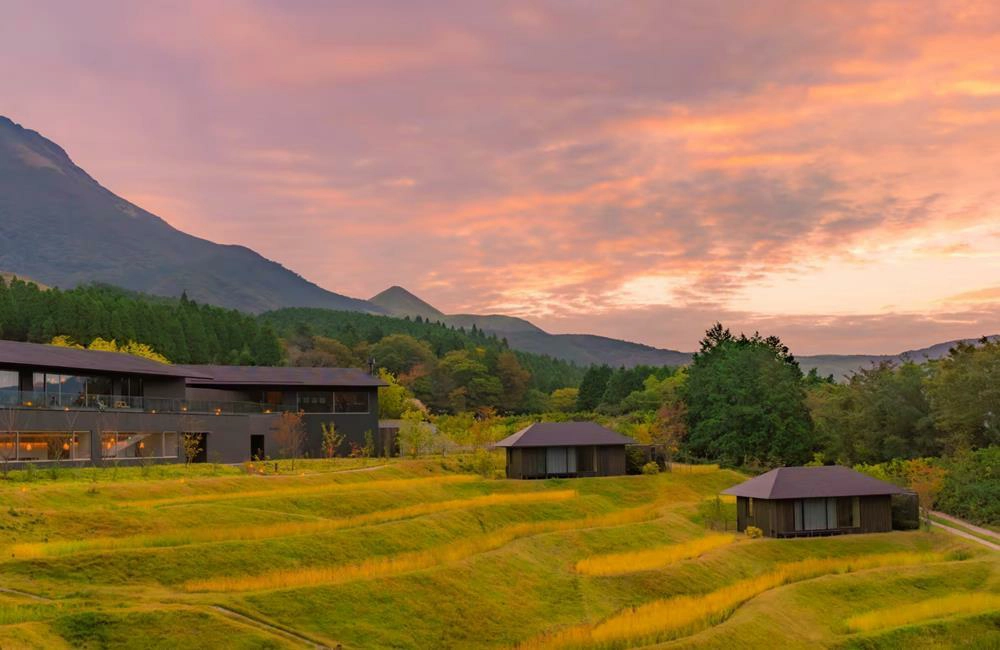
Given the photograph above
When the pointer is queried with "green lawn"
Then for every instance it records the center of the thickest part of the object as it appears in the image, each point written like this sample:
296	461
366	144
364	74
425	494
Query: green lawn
417	554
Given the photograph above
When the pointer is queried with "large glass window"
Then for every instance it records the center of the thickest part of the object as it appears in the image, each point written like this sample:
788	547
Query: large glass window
51	389
351	401
45	446
312	401
826	513
9	387
560	460
125	444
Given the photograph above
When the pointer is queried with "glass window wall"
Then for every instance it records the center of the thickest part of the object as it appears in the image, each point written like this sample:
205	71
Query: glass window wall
351	401
45	446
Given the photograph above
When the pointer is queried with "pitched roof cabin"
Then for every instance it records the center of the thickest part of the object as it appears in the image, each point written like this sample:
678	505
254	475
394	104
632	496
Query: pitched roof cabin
565	449
808	501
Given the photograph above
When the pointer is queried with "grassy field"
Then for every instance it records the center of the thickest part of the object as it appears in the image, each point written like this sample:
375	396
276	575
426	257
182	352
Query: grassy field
416	554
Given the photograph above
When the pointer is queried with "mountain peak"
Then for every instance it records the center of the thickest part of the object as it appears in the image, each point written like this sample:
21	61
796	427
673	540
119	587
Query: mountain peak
399	302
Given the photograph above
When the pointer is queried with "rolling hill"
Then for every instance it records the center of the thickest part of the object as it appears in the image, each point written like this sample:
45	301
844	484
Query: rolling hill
63	229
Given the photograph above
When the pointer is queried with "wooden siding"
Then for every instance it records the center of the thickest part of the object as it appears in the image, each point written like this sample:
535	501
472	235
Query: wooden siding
777	517
530	462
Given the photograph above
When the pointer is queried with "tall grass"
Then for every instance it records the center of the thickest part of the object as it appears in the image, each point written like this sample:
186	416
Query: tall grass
416	560
669	618
681	468
649	559
294	491
951	605
35	550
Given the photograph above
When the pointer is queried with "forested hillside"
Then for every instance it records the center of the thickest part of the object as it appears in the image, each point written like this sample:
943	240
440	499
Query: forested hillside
448	368
181	330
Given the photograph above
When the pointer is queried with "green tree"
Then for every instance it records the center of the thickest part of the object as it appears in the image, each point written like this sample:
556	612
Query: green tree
514	381
394	399
964	393
888	415
564	400
401	353
745	401
595	382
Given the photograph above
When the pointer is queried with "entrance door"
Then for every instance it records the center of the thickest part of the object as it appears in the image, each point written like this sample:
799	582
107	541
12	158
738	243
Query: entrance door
257	447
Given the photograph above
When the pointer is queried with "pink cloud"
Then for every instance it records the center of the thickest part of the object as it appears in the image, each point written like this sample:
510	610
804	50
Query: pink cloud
597	168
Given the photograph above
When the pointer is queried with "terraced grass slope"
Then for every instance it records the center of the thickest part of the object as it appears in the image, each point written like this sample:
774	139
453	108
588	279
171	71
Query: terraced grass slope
415	554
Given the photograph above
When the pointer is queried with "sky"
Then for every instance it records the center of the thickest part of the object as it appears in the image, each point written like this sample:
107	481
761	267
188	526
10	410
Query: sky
823	171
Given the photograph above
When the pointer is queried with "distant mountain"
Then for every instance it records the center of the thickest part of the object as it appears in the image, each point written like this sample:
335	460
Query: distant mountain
521	334
587	349
397	301
60	227
842	365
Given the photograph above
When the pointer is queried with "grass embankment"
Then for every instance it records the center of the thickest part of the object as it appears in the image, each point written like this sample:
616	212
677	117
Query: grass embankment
415	554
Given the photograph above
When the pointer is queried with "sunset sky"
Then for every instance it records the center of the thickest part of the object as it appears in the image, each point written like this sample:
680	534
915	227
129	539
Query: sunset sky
825	171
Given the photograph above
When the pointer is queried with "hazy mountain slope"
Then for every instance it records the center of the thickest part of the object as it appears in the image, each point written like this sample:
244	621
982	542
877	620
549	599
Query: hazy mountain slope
587	349
842	365
60	227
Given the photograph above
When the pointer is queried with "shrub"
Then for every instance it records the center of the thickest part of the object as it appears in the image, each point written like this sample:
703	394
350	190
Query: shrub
753	532
651	468
635	458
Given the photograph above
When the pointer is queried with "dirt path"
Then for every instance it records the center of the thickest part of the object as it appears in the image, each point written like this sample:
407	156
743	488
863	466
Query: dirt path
964	524
25	594
272	629
968	536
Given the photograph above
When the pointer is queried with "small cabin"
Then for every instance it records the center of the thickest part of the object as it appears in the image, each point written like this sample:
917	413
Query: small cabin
811	501
565	449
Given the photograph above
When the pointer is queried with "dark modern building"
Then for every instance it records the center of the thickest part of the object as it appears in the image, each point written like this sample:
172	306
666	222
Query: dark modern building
807	501
82	406
567	449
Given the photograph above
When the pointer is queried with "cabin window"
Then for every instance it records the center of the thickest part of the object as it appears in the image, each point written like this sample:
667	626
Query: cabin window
351	401
824	514
10	385
750	507
314	401
560	460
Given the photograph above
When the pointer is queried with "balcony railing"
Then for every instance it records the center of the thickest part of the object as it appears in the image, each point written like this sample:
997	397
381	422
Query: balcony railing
40	400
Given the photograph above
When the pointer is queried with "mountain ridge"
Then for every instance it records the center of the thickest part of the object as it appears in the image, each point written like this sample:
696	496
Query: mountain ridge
54	216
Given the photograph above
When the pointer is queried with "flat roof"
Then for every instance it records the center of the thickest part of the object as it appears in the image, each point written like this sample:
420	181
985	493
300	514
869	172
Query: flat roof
208	376
564	434
812	482
54	357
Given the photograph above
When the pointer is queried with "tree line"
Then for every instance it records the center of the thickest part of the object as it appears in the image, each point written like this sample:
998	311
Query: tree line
179	329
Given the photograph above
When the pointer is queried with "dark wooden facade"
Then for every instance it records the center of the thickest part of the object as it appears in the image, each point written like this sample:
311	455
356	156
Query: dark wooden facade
840	515
565	461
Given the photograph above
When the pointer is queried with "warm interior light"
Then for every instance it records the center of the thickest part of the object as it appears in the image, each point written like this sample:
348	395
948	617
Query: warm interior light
142	445
66	446
27	446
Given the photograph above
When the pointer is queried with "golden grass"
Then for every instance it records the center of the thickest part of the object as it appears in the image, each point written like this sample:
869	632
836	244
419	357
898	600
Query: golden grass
951	605
649	559
294	491
284	529
661	620
416	560
681	468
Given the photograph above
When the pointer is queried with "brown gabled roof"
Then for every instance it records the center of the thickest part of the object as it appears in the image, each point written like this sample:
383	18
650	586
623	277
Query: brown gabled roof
281	376
54	357
560	434
809	482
